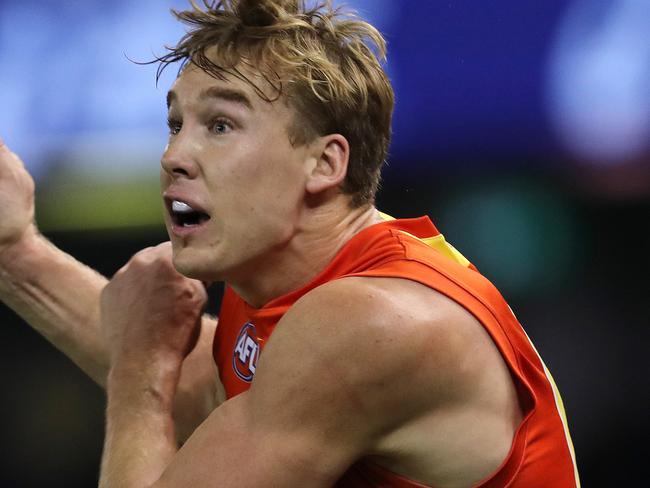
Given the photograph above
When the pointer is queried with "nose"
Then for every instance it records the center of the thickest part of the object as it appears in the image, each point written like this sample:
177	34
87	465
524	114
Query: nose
178	159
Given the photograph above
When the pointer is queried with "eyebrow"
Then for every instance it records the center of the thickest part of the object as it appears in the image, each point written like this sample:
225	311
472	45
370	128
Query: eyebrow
217	92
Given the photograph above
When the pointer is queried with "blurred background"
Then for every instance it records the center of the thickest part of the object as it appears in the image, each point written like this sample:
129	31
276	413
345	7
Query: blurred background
521	128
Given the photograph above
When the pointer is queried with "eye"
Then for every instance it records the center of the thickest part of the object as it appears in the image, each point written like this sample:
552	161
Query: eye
174	126
221	126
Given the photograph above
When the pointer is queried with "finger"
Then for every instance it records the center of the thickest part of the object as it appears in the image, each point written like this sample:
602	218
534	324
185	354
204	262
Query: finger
162	250
4	150
6	153
4	147
167	245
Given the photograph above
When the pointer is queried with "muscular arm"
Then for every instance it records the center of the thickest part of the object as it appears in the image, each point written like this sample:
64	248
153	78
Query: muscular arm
329	389
298	425
59	297
51	290
356	368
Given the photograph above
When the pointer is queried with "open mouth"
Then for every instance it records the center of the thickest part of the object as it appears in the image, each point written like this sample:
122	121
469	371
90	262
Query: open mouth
183	215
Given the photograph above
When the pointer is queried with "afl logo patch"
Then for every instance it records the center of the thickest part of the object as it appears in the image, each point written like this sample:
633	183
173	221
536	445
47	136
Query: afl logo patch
246	353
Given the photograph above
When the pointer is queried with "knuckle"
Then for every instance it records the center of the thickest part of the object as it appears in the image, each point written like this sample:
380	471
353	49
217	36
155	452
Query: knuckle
149	257
143	253
163	247
158	255
121	272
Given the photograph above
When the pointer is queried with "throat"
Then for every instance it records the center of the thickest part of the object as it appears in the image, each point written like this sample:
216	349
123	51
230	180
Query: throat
299	262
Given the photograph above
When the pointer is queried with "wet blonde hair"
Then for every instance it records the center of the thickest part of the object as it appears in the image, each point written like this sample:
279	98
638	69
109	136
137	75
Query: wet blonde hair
325	61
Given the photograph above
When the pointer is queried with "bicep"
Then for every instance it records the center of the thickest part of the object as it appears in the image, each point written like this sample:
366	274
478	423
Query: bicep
328	388
302	422
346	368
232	449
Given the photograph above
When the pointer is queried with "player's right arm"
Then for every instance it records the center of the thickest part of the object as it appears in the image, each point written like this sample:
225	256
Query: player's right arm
60	296
56	294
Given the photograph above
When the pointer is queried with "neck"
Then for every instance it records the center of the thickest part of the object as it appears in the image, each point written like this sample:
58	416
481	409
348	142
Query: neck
317	237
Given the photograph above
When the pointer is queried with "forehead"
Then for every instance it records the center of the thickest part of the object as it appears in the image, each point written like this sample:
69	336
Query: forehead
196	85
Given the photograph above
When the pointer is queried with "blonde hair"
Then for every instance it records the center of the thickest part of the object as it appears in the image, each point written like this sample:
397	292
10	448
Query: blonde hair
324	60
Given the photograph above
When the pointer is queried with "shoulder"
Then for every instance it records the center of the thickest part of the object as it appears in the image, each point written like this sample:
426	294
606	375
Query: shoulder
402	310
390	341
357	361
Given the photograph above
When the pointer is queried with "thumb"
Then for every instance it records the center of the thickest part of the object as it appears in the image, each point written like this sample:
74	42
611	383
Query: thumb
4	147
10	157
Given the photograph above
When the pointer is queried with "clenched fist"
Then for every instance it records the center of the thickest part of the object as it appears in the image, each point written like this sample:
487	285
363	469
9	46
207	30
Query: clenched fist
16	199
151	312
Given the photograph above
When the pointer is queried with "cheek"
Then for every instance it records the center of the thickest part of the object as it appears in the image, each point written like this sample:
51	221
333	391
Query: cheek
165	180
285	169
258	178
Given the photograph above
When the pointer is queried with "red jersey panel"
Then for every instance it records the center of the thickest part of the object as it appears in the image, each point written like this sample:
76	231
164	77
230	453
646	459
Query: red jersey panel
541	454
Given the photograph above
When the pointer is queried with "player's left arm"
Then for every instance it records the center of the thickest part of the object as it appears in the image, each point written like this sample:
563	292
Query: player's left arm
328	387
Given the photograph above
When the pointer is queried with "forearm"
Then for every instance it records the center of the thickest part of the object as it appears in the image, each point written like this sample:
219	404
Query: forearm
140	438
59	297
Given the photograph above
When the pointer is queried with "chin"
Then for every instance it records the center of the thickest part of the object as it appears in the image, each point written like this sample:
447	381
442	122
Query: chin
190	265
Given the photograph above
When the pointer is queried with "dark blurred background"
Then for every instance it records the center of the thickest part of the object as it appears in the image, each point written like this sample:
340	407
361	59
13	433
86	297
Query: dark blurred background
521	128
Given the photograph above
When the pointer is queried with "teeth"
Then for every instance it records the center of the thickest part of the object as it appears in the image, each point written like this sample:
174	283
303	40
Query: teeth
181	207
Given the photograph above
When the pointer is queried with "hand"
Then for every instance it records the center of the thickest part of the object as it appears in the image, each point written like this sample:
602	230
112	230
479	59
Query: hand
150	312
16	199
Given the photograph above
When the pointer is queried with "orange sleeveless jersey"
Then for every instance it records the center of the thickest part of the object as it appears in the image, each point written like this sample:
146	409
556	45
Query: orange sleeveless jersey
541	454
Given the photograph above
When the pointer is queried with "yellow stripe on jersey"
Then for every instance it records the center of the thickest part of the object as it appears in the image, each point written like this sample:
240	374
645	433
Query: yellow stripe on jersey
438	243
565	423
559	404
443	247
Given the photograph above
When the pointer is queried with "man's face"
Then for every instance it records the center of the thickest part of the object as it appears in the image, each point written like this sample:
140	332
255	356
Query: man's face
232	182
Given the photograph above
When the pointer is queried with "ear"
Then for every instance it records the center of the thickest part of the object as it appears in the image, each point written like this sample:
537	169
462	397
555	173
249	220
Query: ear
331	153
